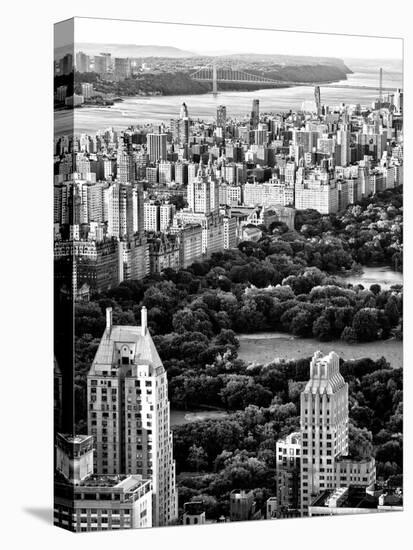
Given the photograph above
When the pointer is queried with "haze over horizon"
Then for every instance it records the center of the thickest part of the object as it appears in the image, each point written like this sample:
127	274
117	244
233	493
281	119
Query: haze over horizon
230	41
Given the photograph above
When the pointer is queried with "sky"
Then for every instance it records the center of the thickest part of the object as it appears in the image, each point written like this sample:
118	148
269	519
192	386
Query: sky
219	40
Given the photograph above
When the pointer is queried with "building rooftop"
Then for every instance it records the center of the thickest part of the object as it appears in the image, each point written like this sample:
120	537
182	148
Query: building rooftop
132	343
293	438
125	482
346	497
70	438
194	508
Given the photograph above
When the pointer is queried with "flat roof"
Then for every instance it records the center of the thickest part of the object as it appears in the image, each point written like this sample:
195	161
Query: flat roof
355	498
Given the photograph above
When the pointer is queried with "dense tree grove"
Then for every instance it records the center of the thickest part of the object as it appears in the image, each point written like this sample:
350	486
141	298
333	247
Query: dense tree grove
372	231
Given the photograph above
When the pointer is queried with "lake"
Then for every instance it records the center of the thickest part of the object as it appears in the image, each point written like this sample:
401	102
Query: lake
178	417
266	346
384	276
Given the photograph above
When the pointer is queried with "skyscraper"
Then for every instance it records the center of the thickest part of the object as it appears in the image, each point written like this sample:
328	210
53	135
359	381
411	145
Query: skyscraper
124	206
102	63
181	126
288	471
203	192
255	114
184	111
222	117
156	147
125	167
324	426
82	62
128	412
122	68
343	140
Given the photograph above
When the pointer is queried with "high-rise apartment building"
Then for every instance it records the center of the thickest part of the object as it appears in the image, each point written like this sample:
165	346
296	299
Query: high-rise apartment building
222	117
181	127
181	173
156	147
324	426
343	141
102	63
203	192
288	456
151	216
124	204
125	167
318	191
128	412
255	114
165	172
88	502
122	68
82	62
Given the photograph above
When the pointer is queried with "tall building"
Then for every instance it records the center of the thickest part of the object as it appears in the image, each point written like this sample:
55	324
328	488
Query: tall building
288	456
343	141
122	68
203	192
324	426
317	98
318	192
88	502
255	113
125	210
151	216
96	263
222	117
181	126
102	63
125	167
128	412
156	147
82	62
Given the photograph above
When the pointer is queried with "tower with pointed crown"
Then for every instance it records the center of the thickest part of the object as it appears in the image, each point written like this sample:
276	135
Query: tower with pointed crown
324	426
128	412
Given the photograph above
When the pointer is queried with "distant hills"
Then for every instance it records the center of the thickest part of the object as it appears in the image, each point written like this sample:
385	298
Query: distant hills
290	60
133	50
136	50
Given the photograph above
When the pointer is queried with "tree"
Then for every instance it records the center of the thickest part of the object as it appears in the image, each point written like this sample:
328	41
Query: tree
322	329
360	442
349	335
179	201
197	458
365	324
391	311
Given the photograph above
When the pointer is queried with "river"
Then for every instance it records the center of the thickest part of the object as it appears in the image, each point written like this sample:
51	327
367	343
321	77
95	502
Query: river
156	109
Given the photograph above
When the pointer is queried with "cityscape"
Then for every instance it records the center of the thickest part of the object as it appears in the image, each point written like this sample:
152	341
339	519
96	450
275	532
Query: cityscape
228	291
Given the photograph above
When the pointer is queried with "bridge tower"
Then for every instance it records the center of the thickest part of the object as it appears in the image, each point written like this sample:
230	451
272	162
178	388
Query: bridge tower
214	78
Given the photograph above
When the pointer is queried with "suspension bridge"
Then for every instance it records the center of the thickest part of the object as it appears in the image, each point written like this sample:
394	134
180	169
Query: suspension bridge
215	74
